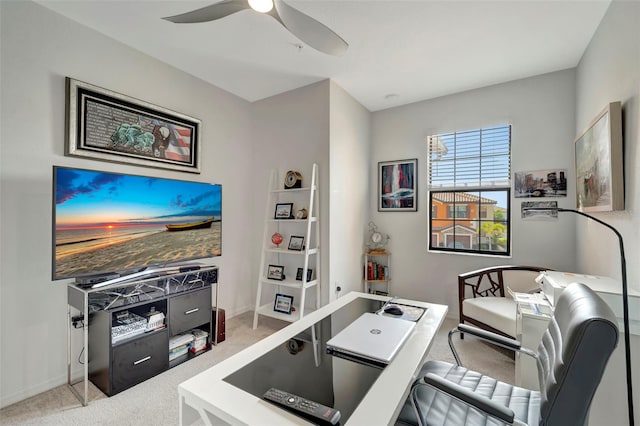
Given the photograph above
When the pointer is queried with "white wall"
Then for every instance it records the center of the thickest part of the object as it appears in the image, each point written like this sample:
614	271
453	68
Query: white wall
349	158
541	112
610	71
39	48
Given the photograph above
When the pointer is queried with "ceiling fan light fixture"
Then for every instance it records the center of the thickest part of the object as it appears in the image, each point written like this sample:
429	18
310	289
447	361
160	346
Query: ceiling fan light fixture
262	6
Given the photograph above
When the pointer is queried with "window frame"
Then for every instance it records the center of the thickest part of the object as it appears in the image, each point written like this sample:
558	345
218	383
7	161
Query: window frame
479	220
480	189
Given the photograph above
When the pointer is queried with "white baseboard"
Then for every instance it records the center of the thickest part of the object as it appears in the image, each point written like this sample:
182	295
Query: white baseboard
6	400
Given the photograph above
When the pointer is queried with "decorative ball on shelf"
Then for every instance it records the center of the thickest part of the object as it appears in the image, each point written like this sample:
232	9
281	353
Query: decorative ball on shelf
301	214
276	239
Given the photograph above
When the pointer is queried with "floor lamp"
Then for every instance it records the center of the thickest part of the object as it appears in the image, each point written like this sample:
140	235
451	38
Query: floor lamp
625	299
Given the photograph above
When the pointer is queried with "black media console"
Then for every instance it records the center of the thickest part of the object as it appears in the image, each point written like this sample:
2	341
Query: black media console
118	351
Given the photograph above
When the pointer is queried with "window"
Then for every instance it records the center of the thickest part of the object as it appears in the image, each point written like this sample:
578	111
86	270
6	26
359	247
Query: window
457	211
469	174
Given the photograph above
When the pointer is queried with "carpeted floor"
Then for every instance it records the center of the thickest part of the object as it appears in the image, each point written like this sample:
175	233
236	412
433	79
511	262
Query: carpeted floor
155	401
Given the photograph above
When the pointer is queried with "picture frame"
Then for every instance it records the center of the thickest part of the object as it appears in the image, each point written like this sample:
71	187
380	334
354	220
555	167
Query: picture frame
283	211
296	243
599	163
299	274
283	303
275	272
397	185
550	214
105	125
540	183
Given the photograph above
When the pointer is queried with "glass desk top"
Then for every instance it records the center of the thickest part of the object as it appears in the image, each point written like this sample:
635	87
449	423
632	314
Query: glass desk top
303	367
294	359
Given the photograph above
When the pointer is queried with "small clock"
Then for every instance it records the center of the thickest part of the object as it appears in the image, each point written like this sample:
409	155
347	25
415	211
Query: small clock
292	179
377	240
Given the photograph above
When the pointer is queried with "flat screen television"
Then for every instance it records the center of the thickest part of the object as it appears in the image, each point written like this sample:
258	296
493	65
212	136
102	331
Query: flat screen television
109	224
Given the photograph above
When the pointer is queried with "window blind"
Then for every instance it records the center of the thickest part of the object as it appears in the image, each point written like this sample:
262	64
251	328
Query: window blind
470	159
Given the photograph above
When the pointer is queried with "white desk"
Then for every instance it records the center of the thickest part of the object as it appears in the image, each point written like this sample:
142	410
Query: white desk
209	397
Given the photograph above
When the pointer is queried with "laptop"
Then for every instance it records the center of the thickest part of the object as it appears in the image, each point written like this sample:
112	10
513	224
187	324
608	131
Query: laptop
371	339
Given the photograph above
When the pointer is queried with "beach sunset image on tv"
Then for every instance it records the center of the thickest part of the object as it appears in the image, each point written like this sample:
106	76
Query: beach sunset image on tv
108	222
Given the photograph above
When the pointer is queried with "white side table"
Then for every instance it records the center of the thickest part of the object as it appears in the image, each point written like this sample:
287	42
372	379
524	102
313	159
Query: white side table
533	313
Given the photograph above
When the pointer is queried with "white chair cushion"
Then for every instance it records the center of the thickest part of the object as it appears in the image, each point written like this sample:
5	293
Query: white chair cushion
497	312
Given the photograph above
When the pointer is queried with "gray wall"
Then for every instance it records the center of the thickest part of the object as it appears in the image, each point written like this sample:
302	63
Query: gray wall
40	48
610	71
541	112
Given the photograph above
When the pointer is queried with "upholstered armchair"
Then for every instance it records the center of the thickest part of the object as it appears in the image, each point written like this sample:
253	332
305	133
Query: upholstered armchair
484	300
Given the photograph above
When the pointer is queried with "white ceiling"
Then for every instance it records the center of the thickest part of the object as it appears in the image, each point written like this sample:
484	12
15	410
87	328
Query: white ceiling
400	51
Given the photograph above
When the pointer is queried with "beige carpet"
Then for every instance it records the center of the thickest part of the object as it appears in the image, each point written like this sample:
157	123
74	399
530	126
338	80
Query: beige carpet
155	402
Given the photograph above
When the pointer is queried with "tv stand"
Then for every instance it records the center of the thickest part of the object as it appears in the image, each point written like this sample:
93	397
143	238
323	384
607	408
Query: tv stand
114	362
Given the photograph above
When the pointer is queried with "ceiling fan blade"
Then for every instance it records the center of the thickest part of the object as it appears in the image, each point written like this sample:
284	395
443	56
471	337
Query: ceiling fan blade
307	29
210	13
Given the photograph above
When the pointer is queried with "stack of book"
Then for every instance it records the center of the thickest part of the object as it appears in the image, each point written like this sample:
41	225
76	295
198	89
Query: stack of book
179	345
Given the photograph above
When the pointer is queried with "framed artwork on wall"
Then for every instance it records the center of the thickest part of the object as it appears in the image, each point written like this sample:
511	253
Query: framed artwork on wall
540	183
104	125
599	163
397	185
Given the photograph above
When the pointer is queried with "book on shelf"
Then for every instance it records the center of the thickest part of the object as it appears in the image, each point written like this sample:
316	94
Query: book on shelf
377	271
180	340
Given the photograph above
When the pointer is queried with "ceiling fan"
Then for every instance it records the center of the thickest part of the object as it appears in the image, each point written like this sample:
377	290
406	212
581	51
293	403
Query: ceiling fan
307	29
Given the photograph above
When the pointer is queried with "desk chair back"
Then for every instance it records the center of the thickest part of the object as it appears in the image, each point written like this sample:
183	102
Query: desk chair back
573	353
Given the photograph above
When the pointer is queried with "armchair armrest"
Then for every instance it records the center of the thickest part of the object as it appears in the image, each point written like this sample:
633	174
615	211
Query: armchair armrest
454	390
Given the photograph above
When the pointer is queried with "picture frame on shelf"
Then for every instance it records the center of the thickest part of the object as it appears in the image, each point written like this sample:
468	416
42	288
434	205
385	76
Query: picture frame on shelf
296	243
283	211
275	272
283	303
299	274
397	185
105	125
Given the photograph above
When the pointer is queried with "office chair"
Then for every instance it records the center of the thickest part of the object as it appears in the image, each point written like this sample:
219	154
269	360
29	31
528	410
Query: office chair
571	358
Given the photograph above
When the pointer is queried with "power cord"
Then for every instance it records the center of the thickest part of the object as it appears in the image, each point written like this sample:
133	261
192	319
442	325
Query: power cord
78	321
